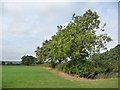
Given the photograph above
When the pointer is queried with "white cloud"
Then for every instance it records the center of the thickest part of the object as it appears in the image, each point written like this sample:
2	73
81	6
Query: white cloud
30	18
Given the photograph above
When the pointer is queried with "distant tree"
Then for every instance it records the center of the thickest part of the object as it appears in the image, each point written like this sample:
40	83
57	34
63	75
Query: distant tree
3	62
28	60
9	63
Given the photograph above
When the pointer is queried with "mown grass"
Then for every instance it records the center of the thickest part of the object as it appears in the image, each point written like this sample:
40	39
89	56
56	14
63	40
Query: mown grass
39	77
0	76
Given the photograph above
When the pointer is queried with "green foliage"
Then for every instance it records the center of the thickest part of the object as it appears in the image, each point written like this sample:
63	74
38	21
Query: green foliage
77	46
27	60
112	58
80	68
98	66
77	40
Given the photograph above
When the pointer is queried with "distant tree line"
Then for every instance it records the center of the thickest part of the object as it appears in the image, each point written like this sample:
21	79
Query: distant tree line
26	60
10	62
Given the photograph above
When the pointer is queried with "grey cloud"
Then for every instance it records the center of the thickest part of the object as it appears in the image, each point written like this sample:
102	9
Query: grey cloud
27	25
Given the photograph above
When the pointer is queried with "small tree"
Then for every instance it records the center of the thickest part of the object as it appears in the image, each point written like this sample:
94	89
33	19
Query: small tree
3	62
28	60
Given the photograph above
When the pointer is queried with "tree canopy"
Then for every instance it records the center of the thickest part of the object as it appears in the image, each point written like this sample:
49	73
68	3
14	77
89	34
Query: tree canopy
75	41
76	48
28	60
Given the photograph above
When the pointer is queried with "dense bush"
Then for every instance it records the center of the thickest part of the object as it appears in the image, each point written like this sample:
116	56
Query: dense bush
98	66
81	68
28	60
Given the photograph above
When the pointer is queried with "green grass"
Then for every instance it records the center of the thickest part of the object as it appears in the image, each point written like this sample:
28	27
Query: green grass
39	77
0	76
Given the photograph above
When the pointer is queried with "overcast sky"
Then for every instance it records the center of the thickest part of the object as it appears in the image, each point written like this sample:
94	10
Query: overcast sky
25	25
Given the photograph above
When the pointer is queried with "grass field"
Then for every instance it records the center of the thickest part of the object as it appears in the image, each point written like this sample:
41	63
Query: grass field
39	77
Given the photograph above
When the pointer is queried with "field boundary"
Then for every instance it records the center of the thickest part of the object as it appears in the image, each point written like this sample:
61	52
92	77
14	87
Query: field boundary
70	77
